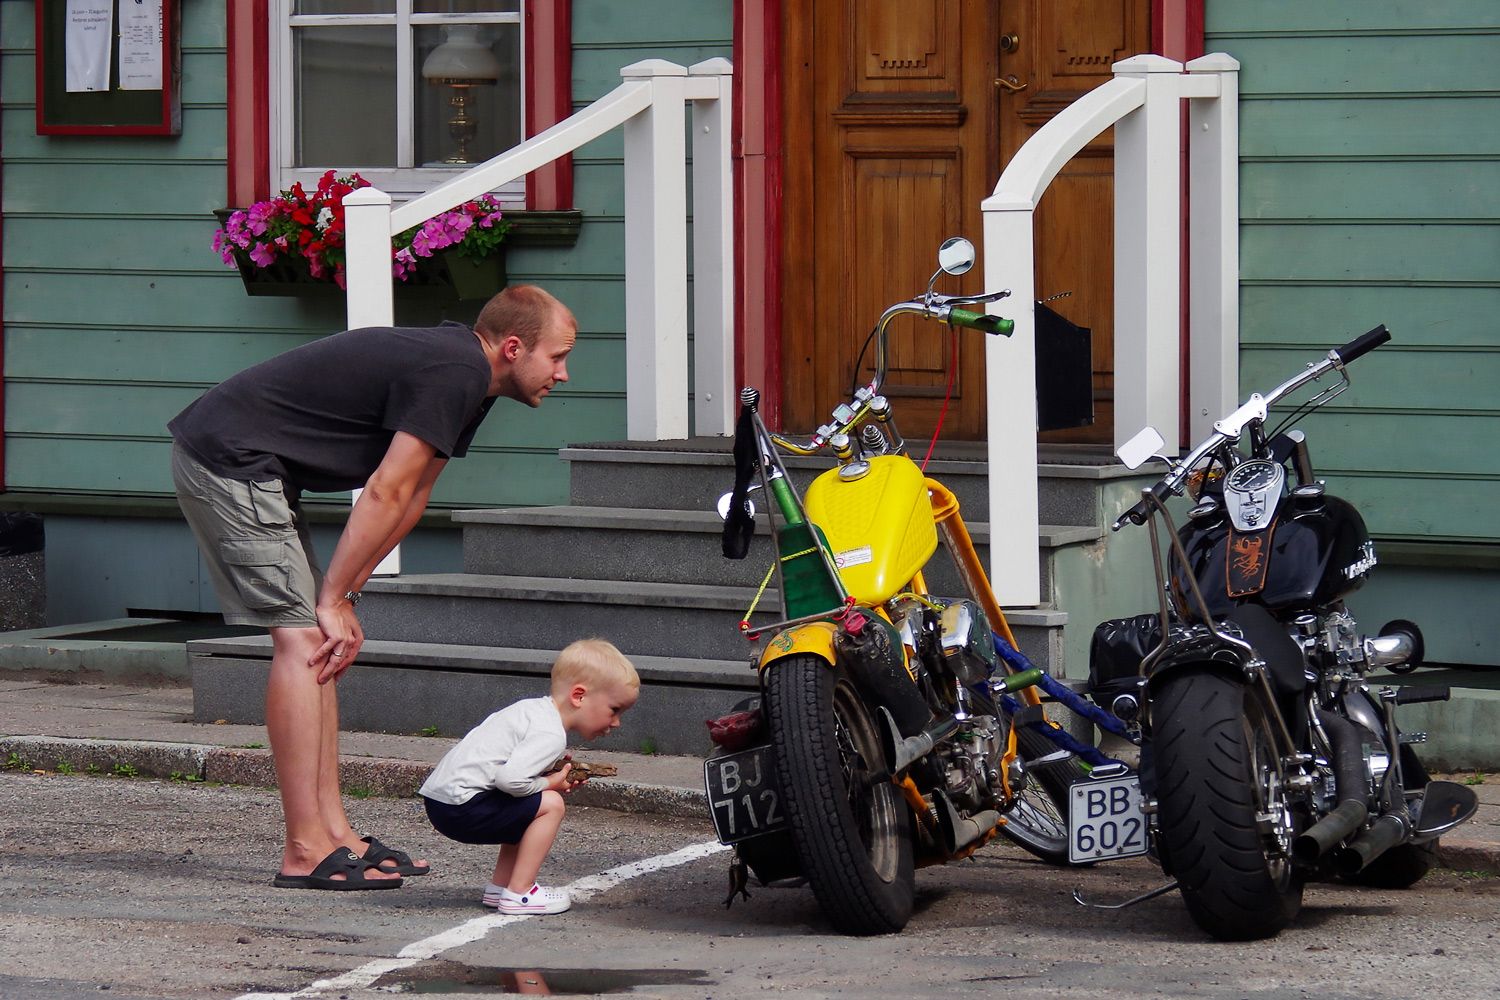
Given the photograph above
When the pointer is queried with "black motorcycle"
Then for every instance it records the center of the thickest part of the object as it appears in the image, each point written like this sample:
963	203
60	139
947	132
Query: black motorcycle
1266	758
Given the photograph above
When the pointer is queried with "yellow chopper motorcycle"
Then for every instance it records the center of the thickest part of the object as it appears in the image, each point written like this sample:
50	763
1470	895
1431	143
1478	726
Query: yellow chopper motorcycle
895	728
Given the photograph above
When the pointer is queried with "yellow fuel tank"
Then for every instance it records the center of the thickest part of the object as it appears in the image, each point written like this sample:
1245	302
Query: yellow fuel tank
877	517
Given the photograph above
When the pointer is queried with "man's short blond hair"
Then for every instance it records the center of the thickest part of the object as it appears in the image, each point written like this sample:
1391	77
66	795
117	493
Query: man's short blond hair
592	663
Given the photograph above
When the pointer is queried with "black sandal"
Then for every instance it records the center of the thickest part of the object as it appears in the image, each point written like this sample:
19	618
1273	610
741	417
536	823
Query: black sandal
378	853
341	861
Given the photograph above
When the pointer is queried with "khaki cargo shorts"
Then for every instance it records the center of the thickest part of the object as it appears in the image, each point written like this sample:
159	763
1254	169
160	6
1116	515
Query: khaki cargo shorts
256	547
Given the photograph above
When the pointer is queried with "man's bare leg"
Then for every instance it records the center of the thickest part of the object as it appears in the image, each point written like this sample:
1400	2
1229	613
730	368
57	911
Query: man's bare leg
297	716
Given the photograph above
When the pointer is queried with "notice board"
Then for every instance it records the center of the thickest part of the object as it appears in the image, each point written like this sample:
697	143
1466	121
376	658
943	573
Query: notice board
108	67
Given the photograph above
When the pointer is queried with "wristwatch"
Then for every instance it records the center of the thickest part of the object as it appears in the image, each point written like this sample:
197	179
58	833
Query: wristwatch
352	597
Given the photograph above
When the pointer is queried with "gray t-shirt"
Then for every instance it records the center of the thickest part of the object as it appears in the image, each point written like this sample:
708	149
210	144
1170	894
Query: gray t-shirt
321	416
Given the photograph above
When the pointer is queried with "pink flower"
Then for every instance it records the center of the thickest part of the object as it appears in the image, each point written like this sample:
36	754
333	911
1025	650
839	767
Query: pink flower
262	254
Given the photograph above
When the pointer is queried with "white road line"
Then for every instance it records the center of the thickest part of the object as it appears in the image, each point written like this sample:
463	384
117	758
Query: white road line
473	930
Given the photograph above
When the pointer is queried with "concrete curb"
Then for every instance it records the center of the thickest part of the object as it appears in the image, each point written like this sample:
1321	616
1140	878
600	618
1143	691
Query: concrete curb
401	779
254	768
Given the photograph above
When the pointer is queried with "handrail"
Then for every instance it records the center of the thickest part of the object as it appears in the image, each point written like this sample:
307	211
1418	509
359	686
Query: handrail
1144	104
650	105
610	111
1039	159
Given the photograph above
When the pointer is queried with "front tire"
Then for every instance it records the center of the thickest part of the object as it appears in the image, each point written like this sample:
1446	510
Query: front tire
1227	825
853	835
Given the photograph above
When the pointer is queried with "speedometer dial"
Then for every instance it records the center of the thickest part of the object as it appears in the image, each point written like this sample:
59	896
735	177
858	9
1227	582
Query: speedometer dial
1252	476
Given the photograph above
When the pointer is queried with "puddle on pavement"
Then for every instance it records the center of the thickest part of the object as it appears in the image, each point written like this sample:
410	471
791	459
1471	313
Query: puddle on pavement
455	977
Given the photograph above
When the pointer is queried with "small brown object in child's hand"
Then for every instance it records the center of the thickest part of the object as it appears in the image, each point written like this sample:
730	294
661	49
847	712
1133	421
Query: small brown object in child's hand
582	769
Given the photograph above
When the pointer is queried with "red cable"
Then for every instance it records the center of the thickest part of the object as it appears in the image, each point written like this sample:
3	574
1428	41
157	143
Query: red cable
947	395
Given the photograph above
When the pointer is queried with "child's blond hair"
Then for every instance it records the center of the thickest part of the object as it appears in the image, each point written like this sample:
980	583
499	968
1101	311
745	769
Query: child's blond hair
592	663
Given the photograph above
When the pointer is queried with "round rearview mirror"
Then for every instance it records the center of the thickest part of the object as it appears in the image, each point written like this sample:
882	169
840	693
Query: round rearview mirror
728	498
956	255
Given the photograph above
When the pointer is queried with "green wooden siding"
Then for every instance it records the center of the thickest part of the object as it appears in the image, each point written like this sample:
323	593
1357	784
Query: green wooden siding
118	313
1370	193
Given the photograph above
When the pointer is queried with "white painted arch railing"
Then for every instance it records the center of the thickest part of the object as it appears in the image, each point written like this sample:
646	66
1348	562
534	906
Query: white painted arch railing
1143	104
650	104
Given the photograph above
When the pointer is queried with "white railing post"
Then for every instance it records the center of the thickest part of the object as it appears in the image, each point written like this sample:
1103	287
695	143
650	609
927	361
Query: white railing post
368	284
656	368
709	85
1147	261
367	258
1010	388
1213	245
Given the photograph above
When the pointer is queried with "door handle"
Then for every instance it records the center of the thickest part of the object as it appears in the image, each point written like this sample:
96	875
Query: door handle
1011	84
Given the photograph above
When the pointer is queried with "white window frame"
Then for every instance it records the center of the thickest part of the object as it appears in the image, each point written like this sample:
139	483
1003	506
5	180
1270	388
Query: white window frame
402	182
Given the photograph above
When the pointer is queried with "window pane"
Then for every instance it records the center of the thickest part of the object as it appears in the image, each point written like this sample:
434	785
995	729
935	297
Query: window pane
464	6
343	7
468	92
346	96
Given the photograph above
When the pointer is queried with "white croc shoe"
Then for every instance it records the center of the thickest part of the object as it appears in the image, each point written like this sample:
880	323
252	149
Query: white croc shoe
538	900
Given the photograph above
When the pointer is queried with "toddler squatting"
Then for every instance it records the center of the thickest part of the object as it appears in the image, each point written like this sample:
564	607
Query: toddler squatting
489	789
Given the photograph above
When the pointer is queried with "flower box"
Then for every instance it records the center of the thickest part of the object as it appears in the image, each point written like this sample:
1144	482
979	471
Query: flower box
293	244
445	276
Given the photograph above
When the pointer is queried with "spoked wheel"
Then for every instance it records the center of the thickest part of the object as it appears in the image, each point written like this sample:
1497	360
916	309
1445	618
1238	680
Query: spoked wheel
1223	811
1039	820
852	829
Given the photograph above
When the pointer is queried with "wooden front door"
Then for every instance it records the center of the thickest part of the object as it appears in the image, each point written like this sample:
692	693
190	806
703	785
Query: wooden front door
899	117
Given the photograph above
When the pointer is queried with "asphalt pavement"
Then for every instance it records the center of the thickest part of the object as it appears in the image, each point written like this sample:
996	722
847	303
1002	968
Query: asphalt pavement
59	723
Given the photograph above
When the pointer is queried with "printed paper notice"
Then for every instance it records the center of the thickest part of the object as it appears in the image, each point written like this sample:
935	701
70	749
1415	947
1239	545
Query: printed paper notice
86	44
140	45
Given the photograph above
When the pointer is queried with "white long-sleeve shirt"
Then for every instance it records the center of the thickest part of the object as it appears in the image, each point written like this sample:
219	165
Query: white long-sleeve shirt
509	751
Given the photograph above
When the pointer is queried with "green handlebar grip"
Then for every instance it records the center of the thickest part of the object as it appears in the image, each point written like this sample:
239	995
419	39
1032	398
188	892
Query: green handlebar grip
1024	679
982	321
785	501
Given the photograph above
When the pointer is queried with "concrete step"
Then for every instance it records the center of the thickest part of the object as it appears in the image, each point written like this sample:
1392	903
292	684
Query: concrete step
412	687
692	474
665	546
660	619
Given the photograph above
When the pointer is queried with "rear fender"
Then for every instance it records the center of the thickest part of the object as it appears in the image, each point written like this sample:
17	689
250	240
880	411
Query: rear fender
815	638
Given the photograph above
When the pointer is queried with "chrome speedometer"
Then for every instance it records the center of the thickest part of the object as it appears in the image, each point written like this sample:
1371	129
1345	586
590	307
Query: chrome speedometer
1251	492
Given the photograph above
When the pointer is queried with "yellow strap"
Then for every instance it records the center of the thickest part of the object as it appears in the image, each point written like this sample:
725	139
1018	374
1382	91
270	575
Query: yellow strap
745	622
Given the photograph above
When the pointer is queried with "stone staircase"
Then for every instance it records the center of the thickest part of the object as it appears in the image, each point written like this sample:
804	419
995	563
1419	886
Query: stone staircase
634	559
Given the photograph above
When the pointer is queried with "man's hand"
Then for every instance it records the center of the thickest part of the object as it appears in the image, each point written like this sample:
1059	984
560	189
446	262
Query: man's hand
342	638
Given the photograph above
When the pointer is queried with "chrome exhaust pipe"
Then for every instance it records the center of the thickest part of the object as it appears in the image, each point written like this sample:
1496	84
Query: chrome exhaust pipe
958	831
1320	839
899	753
1388	831
1349	782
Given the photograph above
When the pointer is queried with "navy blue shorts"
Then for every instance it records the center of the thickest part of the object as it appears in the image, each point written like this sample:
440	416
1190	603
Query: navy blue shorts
491	817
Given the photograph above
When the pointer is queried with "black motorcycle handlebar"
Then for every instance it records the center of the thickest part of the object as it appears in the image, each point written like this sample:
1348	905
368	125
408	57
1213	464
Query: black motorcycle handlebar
1362	345
1142	510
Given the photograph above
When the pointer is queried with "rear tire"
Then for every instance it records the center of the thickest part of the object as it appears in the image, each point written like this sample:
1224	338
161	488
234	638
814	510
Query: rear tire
1223	815
854	837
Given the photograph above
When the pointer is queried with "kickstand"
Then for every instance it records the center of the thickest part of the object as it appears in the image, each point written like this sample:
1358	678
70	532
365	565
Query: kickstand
1078	898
